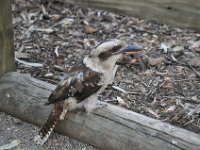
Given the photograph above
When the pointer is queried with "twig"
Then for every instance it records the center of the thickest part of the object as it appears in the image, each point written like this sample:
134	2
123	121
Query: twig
139	29
173	59
124	91
153	93
192	68
29	64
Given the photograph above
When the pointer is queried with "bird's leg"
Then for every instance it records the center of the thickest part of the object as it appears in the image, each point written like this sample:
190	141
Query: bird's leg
78	108
91	104
65	109
71	105
100	104
88	105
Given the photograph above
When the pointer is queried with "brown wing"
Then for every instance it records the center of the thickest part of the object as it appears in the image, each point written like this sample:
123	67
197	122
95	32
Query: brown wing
80	85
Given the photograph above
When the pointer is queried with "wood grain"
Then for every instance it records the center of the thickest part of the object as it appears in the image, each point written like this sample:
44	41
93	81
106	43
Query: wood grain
6	38
110	128
185	14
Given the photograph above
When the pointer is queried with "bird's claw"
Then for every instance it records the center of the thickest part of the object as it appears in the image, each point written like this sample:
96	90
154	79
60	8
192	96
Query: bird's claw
38	140
100	104
89	108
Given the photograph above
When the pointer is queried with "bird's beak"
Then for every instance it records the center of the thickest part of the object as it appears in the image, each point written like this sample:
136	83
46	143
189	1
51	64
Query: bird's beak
131	49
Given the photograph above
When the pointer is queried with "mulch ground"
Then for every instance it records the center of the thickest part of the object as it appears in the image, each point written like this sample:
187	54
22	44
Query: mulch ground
164	83
16	134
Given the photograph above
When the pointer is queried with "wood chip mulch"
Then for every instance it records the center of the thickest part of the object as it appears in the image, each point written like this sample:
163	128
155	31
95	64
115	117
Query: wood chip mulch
165	81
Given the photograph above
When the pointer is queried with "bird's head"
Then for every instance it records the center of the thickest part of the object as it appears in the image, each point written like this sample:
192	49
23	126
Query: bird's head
109	52
113	50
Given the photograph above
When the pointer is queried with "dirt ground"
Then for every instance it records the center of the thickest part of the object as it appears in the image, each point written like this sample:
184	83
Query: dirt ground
14	129
163	83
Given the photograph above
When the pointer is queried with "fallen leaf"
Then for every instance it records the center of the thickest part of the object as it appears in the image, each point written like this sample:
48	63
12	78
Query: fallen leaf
147	73
86	42
47	30
177	48
85	22
10	145
65	22
133	61
192	76
164	47
155	61
17	20
153	113
43	10
171	108
195	61
48	75
119	89
56	51
194	110
55	17
90	29
58	68
195	44
28	63
22	55
122	102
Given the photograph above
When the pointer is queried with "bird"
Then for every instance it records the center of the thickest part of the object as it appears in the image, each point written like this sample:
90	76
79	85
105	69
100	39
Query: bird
84	82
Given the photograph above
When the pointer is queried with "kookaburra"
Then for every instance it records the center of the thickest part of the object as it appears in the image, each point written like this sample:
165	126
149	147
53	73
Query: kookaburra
84	82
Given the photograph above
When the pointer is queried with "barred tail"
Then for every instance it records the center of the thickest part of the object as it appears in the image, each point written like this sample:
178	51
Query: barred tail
50	124
58	113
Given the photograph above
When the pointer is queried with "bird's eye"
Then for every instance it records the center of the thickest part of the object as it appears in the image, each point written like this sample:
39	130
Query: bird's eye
116	48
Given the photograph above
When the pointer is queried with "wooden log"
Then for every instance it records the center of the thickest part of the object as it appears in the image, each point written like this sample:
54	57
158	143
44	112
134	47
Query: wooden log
6	38
110	128
180	13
